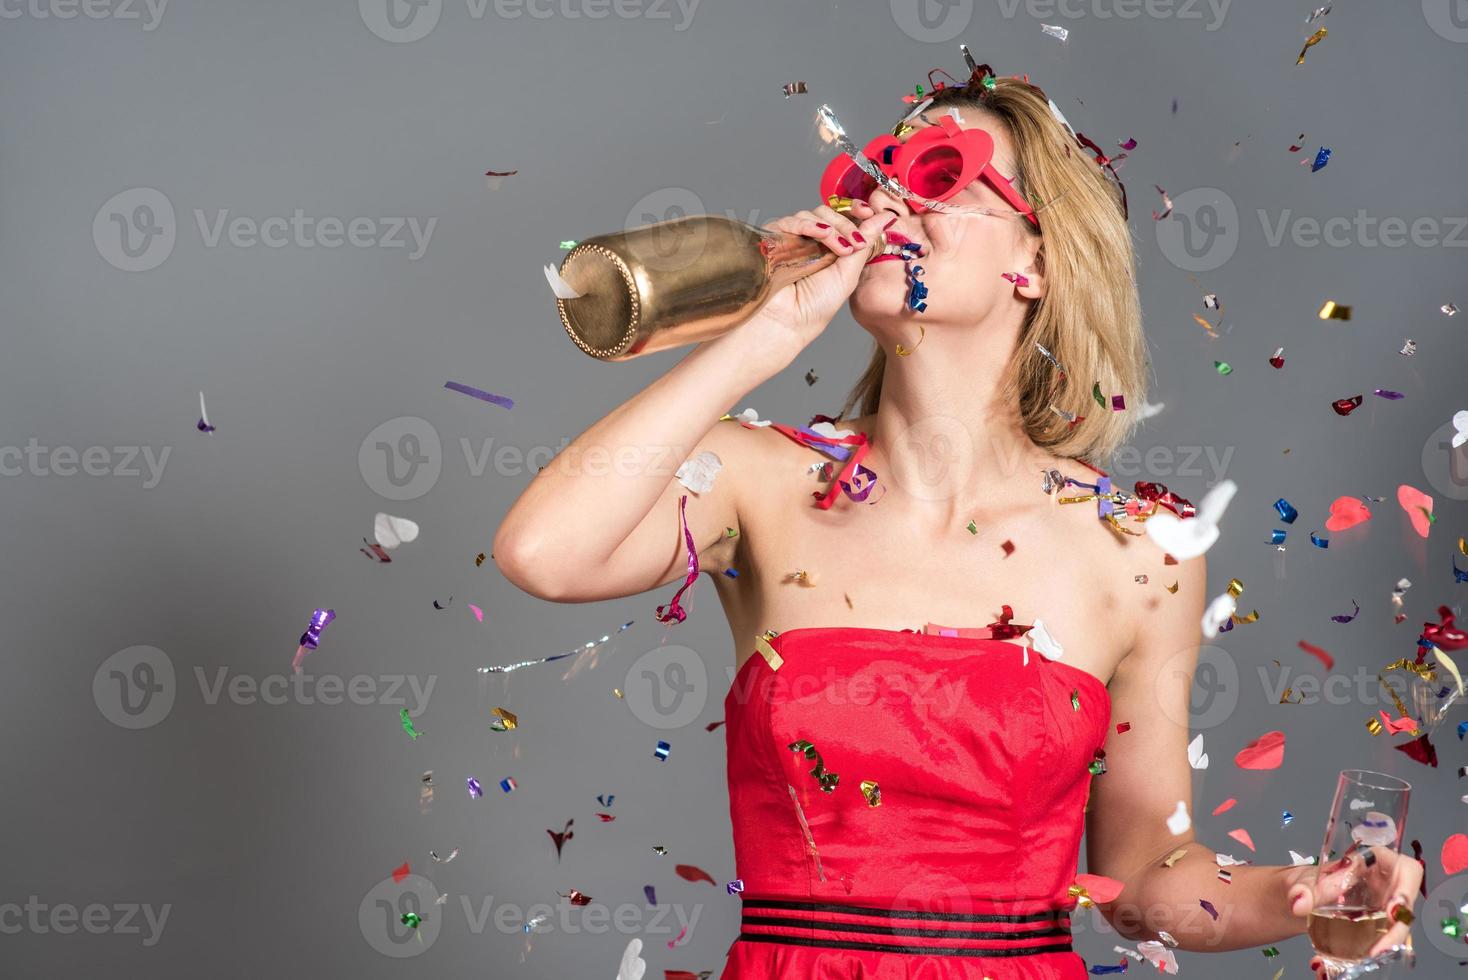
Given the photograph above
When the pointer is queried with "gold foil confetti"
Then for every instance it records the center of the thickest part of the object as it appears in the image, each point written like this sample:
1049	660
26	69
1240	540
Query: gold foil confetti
872	792
1332	311
1373	725
507	720
1173	587
771	655
904	351
1174	857
1310	42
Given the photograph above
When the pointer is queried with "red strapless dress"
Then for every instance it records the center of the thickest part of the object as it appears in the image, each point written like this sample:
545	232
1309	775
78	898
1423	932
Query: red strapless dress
963	869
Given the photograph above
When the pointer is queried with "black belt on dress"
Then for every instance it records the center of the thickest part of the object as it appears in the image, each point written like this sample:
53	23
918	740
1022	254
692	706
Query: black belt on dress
832	926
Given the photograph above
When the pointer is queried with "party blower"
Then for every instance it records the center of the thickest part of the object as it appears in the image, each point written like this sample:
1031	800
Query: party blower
679	282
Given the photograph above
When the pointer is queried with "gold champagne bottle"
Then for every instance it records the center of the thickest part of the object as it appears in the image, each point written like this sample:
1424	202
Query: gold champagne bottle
679	282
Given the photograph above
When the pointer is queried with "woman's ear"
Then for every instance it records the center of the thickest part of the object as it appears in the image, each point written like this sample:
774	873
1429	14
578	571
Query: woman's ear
1034	288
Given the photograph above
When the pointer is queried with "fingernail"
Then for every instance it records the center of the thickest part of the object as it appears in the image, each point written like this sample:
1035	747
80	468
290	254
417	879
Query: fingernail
859	240
823	226
844	242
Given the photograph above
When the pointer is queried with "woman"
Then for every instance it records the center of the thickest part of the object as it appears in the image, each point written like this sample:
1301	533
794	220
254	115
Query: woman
908	803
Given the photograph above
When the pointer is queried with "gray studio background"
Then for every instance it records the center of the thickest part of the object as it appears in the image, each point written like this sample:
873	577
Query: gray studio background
266	829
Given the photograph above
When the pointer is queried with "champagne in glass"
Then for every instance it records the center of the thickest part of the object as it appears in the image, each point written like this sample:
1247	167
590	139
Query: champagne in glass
1356	881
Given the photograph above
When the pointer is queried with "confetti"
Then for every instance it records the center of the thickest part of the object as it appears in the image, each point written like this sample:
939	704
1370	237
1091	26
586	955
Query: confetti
203	424
1409	348
1325	658
1265	752
1277	361
480	394
559	286
569	244
794	88
1242	836
1179	822
1322	157
565	834
810	377
1447	308
1190	538
1052	30
1332	311
411	919
400	872
1208	907
452	854
1166	205
1389	395
697	472
1318	541
311	639
872	792
1287	512
475	790
1197	758
692	872
736	886
576	898
810	841
508	721
1346	512
1223	368
1174	857
632	966
673	612
1123	727
1343	618
1019	279
508	784
660	752
479	559
408	724
826	780
1345	406
587	647
1317	13
1313	40
1418	506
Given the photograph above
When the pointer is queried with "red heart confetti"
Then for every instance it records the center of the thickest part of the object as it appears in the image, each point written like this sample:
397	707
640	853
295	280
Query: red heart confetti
1418	506
1455	854
1346	512
1265	752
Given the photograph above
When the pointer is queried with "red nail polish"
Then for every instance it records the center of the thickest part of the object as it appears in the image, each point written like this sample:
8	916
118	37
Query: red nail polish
859	240
823	226
844	242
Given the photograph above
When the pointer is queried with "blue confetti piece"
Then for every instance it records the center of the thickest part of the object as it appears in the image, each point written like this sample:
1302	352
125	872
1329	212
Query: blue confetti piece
731	573
1318	541
1287	512
1322	157
1462	729
509	785
1276	536
1286	817
661	752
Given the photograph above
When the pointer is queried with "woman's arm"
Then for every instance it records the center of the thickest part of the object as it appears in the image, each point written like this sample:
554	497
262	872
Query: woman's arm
1148	773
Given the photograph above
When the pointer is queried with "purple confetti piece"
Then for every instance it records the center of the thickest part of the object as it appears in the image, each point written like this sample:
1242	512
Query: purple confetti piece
861	478
1099	970
1129	144
311	639
1347	619
1208	907
652	896
838	453
483	396
475	790
1389	395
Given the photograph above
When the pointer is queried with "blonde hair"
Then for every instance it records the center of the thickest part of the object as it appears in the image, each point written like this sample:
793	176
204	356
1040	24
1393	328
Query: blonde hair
1090	317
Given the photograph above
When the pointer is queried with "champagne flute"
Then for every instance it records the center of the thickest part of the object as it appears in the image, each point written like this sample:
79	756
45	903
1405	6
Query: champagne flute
1356	881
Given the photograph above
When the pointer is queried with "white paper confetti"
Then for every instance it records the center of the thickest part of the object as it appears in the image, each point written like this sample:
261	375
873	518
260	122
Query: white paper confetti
559	286
392	531
1184	539
1055	31
697	472
1197	758
1179	822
